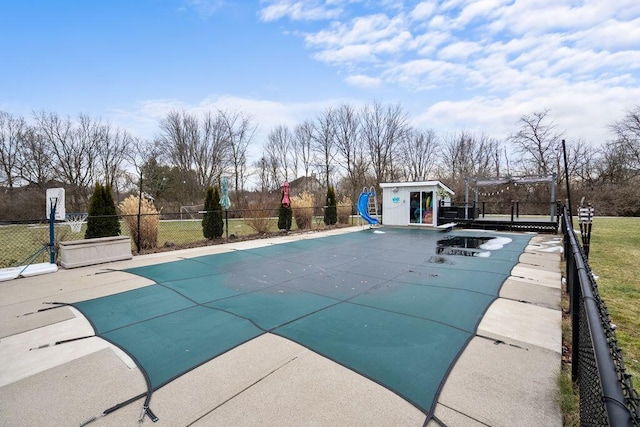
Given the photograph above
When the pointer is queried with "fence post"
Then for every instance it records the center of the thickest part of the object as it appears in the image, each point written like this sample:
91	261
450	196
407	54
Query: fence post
566	175
573	291
139	210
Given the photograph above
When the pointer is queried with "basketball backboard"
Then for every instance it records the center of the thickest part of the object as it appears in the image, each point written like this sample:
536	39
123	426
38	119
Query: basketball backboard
56	195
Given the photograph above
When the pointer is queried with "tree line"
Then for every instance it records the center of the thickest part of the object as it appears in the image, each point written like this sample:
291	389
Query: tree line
345	146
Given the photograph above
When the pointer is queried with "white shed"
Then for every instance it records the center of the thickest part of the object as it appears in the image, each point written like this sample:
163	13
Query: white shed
413	203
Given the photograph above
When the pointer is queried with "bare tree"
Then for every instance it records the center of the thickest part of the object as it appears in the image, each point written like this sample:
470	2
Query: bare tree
466	155
537	142
383	128
350	147
419	153
497	157
264	170
212	153
303	145
581	162
293	159
612	166
324	134
508	166
141	154
35	158
200	146
11	140
240	131
179	136
627	137
168	185
75	149
113	152
278	148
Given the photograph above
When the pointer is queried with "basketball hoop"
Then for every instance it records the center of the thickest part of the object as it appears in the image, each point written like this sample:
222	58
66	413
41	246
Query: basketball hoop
75	221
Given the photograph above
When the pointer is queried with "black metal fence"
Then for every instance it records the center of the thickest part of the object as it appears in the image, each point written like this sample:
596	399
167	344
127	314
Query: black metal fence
514	216
607	396
28	241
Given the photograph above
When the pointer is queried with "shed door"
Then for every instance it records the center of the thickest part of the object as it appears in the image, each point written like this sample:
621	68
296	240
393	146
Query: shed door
421	207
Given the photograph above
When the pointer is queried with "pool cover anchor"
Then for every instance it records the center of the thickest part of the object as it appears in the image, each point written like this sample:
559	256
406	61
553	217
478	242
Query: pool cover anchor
147	411
60	304
61	342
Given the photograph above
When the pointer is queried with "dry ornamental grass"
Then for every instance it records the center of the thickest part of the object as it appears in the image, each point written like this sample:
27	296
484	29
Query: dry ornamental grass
259	217
149	221
302	205
344	210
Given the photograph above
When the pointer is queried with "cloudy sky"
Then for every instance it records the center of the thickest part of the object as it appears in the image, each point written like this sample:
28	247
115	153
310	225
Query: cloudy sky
452	65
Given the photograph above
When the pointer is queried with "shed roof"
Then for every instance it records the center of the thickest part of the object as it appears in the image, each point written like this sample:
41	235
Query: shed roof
417	184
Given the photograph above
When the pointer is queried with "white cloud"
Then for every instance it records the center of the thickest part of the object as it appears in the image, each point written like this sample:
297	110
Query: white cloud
369	29
427	43
449	5
362	40
556	15
423	73
363	81
347	54
582	111
423	10
458	50
395	44
476	10
205	8
439	22
612	35
298	11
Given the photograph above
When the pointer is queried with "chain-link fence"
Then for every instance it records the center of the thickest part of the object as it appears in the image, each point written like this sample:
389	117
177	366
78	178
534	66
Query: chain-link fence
607	396
28	241
24	242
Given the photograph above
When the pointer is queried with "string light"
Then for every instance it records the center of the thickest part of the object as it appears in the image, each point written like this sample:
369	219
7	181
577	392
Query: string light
493	193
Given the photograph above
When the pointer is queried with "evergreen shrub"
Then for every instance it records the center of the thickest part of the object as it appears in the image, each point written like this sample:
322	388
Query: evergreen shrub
103	217
212	222
330	210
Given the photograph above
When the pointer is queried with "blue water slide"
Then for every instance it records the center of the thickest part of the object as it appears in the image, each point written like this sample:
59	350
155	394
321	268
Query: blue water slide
363	203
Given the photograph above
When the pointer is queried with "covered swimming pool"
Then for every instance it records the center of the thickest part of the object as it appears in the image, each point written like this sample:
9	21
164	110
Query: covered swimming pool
395	305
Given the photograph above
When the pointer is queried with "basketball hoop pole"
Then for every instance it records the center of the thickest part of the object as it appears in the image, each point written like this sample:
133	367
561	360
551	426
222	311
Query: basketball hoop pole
52	218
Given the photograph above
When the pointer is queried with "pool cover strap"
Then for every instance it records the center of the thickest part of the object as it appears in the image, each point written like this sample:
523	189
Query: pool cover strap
121	405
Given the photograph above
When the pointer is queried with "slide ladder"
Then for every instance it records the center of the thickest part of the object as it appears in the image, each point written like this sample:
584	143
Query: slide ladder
372	207
368	206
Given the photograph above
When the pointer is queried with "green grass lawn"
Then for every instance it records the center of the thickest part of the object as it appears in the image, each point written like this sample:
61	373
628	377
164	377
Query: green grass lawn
615	259
17	242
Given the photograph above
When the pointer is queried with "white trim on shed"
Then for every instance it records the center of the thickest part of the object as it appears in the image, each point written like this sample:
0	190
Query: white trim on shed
413	203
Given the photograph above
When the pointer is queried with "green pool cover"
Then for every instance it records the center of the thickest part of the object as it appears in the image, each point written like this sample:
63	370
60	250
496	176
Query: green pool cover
395	305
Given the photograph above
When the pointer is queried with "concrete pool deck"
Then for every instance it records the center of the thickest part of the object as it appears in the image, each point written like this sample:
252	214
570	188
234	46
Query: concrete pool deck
507	375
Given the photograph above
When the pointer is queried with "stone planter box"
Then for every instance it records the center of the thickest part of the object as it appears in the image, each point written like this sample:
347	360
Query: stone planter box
79	253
